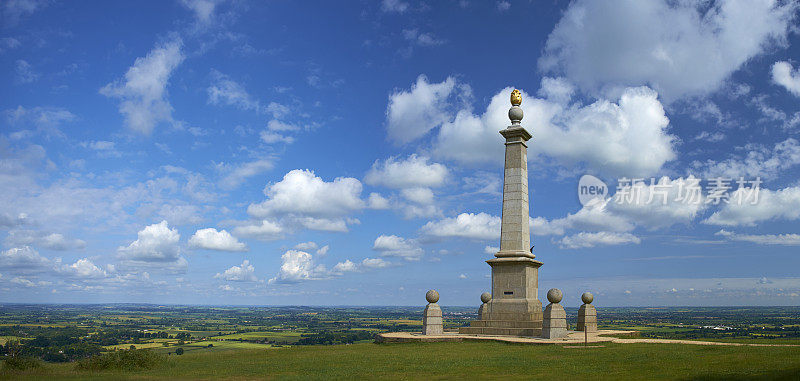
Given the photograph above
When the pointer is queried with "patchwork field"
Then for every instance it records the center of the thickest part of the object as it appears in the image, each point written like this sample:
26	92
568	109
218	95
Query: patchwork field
201	342
286	336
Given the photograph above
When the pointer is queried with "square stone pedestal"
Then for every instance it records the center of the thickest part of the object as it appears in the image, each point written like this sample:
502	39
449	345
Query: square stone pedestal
587	318
515	309
554	325
432	320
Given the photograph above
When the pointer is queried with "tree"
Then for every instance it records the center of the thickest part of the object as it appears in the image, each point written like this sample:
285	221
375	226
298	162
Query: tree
13	348
133	346
179	351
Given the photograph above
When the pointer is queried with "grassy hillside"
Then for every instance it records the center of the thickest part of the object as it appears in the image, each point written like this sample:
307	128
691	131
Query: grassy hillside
468	360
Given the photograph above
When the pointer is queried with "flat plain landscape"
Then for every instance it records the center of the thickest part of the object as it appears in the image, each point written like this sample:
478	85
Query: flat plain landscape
198	342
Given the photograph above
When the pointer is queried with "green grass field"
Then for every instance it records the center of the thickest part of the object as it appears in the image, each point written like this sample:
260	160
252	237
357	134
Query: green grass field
466	360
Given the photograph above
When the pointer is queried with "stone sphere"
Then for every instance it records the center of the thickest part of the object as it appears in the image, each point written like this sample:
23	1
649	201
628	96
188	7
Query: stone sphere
554	295
486	297
515	113
432	296
587	297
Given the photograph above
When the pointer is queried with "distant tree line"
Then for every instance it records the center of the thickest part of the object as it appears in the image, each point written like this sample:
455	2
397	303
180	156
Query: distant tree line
331	338
53	351
61	344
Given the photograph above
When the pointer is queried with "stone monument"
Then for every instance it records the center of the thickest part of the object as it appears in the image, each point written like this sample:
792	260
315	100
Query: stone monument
587	314
514	308
432	319
554	324
483	311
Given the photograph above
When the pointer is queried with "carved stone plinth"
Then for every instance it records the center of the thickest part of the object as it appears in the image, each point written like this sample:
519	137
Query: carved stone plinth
432	316
587	314
554	324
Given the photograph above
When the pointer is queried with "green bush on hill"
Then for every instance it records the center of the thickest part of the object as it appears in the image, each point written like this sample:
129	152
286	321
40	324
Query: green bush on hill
21	363
131	359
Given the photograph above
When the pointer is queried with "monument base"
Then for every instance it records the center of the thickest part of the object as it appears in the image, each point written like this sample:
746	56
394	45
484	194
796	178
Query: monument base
503	328
514	309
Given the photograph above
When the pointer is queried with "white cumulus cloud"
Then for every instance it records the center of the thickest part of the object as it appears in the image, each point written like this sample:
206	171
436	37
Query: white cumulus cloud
23	259
143	91
763	239
84	268
480	226
305	199
236	174
52	241
412	113
784	75
375	263
679	48
587	240
242	273
376	201
344	267
759	161
413	172
306	246
783	204
302	192
394	246
212	239
298	266
265	230
155	243
627	138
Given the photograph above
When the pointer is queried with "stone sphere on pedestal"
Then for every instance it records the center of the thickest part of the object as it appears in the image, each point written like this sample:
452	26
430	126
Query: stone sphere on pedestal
587	297
515	114
486	297
432	296
554	295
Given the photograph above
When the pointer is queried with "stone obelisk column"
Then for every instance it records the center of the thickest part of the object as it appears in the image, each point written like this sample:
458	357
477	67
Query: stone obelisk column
515	235
515	272
514	308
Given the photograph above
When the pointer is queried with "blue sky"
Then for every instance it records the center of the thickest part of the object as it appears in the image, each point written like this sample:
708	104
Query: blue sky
346	153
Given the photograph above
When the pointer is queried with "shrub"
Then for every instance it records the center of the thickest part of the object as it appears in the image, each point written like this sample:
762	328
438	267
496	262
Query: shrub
131	359
21	363
179	351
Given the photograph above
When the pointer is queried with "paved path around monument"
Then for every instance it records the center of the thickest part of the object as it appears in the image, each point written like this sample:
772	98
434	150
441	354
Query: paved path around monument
573	337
